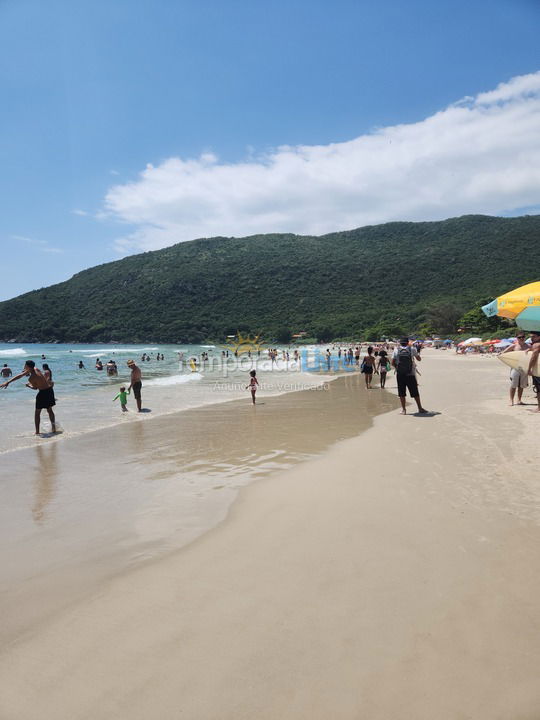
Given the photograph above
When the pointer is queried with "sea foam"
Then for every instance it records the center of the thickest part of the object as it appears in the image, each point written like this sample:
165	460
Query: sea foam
174	379
98	352
13	352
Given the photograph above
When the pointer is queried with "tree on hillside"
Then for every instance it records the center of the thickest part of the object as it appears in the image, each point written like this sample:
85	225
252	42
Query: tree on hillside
284	336
475	321
324	334
443	317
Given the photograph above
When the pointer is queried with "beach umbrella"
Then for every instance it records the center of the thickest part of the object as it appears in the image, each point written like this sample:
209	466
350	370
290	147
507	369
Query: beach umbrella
491	342
521	305
472	341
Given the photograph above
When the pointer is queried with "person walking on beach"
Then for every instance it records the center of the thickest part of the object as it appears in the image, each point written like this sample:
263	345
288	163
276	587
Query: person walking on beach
382	366
403	360
518	378
253	384
45	396
135	383
6	371
368	367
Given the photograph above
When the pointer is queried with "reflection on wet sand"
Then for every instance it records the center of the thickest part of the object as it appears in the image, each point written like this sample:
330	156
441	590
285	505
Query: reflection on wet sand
75	512
239	441
44	480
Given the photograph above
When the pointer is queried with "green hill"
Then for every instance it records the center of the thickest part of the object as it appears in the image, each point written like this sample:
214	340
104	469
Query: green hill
378	279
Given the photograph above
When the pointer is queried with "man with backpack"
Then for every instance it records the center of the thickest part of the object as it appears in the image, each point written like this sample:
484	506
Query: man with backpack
403	361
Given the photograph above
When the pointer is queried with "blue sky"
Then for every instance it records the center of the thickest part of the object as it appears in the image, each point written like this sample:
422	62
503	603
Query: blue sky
129	125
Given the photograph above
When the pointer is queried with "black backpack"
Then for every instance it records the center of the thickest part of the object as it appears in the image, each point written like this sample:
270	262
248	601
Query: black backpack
404	361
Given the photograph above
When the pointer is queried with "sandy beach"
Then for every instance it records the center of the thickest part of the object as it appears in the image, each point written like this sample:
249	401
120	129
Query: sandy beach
381	566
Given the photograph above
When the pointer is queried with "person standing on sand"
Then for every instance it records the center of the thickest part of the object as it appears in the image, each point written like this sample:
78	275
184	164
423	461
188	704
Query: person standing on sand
5	372
45	396
135	383
535	345
253	384
518	378
403	360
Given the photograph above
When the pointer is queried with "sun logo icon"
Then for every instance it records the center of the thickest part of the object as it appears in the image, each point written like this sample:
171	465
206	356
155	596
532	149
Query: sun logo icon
243	344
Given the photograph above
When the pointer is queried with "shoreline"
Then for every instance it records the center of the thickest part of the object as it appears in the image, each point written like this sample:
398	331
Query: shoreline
158	390
388	577
124	497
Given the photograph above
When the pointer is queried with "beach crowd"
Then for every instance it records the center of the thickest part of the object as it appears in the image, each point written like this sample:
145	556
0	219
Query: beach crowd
379	359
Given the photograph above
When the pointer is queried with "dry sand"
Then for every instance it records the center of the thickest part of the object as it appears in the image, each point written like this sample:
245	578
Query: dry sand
393	577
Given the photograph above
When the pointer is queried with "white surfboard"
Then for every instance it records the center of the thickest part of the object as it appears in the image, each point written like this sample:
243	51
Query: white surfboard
519	360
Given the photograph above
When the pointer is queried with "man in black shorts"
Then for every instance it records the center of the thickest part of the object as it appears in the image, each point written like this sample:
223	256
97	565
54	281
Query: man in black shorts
45	399
403	360
136	383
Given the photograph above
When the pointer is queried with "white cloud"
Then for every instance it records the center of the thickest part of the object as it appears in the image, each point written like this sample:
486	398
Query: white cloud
82	213
520	86
41	245
480	155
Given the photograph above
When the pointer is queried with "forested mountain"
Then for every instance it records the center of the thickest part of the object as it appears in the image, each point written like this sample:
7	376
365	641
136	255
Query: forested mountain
382	279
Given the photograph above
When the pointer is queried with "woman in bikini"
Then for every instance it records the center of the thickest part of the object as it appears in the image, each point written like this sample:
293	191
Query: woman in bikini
368	367
382	366
253	383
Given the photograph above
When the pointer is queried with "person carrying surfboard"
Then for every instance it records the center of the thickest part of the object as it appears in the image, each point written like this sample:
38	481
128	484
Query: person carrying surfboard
518	377
533	364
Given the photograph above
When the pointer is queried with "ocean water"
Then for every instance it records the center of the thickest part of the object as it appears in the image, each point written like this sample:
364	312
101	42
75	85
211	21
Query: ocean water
85	396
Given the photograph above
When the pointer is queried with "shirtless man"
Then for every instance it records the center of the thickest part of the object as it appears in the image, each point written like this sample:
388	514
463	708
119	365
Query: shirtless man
5	372
135	382
535	345
45	395
518	378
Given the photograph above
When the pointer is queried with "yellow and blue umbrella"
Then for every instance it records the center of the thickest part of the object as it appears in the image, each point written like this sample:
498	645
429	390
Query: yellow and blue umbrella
521	305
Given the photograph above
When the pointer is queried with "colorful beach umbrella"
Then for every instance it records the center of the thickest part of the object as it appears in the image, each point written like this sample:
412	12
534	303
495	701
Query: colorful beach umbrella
521	305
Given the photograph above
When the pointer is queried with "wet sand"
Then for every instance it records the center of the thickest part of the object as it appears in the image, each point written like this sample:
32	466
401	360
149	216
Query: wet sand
391	577
74	513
